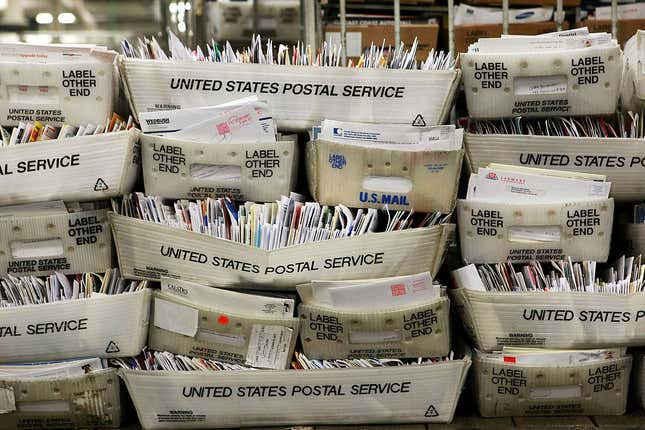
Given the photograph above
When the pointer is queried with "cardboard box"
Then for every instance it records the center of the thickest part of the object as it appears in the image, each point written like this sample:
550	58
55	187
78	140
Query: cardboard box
626	27
412	331
347	174
467	34
361	36
486	230
83	168
69	243
348	94
76	328
53	91
510	90
621	160
260	172
555	320
89	401
632	95
507	389
148	251
219	335
409	394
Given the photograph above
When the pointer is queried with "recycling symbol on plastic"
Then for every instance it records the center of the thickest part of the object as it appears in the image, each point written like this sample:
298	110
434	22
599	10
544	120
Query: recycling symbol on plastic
100	185
431	412
112	347
419	121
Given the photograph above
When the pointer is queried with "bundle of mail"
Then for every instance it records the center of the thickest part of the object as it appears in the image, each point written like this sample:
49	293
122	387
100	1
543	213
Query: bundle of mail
329	55
560	41
55	369
28	132
273	225
514	184
543	357
31	290
390	136
625	276
626	125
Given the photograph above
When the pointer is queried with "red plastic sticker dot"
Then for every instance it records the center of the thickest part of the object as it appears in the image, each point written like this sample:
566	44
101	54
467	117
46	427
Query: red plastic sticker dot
223	319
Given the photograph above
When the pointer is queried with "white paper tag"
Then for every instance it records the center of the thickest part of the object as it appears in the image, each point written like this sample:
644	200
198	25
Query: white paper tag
176	318
7	400
269	346
540	85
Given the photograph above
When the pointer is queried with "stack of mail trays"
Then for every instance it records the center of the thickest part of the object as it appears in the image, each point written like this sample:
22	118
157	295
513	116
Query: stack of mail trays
64	307
239	302
550	333
236	301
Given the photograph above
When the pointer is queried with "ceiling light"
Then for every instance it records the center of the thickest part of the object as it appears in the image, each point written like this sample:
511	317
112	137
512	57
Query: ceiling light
44	18
66	18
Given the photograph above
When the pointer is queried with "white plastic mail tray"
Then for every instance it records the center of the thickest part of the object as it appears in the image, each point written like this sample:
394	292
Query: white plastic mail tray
75	328
396	395
621	160
359	176
73	402
518	232
69	243
510	389
148	250
44	84
633	87
582	81
422	330
213	332
83	168
553	320
260	172
299	96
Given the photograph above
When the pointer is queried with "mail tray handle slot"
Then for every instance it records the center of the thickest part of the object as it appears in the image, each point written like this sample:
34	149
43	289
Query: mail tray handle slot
557	392
216	173
362	337
41	94
21	249
534	233
388	184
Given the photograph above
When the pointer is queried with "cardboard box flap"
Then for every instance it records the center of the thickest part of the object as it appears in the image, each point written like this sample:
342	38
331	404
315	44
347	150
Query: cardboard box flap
83	168
71	402
75	328
555	320
596	388
260	172
360	176
300	97
69	243
494	232
502	85
57	92
413	331
406	394
620	159
184	328
148	251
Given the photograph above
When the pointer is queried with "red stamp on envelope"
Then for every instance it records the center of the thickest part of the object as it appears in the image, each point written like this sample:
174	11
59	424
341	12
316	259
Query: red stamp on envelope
397	290
223	128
